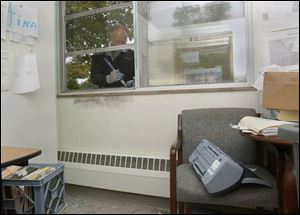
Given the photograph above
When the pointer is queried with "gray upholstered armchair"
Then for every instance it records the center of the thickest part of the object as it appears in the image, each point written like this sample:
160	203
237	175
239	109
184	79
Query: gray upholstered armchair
214	125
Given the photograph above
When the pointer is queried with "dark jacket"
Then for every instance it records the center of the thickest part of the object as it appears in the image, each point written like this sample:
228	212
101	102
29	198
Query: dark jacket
99	68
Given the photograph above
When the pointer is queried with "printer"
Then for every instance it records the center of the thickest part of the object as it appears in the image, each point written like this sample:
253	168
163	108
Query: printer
218	172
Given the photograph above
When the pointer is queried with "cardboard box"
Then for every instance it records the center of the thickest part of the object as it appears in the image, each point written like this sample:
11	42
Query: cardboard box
281	90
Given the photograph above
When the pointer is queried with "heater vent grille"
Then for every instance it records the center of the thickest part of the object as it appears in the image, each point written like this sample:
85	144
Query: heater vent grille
154	164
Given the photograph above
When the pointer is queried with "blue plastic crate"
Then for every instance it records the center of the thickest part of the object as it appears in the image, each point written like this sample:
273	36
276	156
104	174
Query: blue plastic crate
48	192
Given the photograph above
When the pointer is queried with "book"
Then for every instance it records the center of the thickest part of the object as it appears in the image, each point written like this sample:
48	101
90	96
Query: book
9	171
37	174
261	126
23	172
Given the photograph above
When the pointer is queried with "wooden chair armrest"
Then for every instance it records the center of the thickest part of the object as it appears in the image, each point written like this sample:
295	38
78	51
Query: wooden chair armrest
176	149
177	146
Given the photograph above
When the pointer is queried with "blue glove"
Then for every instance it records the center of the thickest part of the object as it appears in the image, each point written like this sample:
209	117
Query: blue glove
114	76
130	83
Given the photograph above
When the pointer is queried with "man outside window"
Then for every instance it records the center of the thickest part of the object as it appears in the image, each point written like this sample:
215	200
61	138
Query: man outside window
115	68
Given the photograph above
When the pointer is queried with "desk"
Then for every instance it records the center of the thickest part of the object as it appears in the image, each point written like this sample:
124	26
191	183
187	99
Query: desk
17	155
285	178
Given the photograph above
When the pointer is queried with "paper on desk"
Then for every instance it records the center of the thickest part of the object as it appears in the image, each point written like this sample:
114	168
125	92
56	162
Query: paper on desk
272	68
243	129
25	74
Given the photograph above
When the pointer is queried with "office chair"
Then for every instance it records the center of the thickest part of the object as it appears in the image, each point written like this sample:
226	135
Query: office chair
214	125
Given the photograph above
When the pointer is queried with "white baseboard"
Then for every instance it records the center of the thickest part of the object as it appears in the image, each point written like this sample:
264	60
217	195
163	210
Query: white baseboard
119	179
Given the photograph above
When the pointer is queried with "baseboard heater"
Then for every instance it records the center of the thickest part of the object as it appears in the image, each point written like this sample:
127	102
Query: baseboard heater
123	161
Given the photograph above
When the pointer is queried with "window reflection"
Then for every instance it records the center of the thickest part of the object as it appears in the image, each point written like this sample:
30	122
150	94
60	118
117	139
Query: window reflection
199	43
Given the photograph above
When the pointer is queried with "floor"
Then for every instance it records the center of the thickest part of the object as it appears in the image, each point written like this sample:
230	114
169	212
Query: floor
86	200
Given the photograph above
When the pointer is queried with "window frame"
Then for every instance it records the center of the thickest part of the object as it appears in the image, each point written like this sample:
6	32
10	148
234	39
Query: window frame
138	90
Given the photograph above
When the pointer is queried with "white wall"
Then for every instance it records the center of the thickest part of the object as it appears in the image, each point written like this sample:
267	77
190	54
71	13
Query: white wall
29	120
139	125
132	125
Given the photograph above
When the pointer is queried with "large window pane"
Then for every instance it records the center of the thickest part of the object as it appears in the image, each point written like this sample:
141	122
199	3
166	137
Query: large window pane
90	32
198	42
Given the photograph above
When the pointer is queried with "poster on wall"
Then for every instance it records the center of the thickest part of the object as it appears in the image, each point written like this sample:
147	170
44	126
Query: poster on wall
22	20
281	48
25	74
4	5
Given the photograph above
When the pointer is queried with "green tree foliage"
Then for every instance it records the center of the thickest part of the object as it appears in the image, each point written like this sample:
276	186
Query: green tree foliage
211	12
90	32
80	6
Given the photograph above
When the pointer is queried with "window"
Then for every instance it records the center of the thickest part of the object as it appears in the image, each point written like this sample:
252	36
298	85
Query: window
178	43
199	43
86	29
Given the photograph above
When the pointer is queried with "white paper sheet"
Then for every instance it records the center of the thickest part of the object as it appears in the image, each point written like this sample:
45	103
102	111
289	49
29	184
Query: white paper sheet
20	38
3	19
4	71
22	20
25	74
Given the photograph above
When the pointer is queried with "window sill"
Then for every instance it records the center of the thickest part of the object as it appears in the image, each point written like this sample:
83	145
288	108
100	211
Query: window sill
150	91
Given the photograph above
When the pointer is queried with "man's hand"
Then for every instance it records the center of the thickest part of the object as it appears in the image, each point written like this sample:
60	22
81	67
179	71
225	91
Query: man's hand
114	76
130	83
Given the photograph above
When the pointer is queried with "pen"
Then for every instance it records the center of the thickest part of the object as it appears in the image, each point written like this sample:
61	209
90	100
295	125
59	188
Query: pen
111	66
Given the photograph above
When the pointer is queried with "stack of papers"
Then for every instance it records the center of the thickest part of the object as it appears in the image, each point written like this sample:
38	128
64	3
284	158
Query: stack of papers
260	126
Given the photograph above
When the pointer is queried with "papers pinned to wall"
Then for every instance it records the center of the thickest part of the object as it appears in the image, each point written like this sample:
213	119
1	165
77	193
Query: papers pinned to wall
4	71
4	5
20	38
25	74
22	20
22	24
281	48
